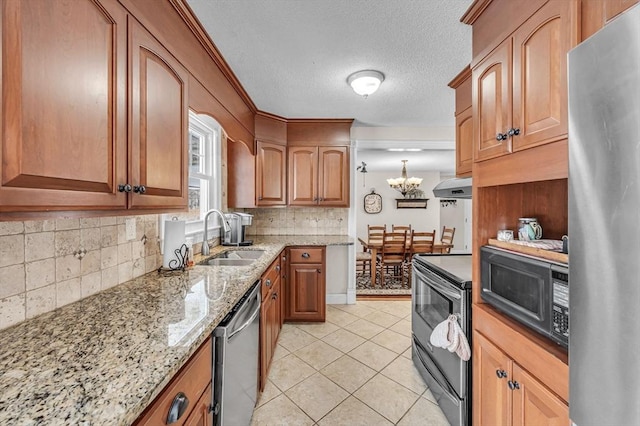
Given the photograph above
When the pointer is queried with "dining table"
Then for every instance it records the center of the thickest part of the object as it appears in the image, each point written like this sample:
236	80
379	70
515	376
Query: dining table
374	245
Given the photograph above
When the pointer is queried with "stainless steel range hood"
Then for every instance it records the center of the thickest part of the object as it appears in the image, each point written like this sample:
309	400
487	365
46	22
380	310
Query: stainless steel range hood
453	188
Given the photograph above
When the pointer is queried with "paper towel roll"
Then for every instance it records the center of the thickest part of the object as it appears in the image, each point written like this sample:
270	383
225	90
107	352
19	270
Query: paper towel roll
173	239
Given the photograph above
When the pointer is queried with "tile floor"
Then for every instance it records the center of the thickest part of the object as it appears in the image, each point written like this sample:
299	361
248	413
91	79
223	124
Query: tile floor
354	369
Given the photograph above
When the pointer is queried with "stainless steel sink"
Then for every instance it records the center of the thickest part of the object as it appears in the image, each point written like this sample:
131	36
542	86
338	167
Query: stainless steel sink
233	258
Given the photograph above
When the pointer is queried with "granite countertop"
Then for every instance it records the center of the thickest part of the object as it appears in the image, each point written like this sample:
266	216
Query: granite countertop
105	358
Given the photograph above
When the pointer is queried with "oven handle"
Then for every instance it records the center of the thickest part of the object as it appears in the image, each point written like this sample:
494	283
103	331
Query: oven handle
435	284
438	377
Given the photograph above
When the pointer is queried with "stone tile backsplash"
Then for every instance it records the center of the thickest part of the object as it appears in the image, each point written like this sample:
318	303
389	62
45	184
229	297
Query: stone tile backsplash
299	221
45	264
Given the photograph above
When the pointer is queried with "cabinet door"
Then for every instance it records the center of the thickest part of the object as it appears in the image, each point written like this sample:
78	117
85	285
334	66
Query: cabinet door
492	103
534	404
267	317
303	176
63	105
306	297
283	286
333	177
464	143
271	174
201	414
540	75
491	394
615	7
159	117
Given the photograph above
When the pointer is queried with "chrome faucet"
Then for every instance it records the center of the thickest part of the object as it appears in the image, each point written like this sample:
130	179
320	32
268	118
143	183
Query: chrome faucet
225	225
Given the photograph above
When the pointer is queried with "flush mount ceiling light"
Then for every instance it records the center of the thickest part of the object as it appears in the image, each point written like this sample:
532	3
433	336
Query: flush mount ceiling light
365	82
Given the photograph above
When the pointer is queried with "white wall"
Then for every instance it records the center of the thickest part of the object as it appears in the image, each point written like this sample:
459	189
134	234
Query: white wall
453	217
424	220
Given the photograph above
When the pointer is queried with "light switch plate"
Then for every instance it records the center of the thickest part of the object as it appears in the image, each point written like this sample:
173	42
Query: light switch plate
130	228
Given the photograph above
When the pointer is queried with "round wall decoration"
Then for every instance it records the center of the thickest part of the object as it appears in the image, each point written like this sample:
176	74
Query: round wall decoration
372	203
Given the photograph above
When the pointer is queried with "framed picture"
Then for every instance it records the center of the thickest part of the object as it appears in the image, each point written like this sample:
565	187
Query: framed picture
411	203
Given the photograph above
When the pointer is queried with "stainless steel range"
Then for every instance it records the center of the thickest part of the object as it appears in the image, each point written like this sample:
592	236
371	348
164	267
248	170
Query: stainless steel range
441	286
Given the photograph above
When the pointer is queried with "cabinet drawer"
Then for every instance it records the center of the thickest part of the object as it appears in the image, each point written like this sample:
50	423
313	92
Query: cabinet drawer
270	277
306	255
192	381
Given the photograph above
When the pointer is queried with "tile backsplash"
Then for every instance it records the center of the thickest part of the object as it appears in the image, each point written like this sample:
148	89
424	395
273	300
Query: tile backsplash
45	264
299	221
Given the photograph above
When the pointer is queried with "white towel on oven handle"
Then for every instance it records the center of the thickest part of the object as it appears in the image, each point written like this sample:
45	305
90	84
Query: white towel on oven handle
449	335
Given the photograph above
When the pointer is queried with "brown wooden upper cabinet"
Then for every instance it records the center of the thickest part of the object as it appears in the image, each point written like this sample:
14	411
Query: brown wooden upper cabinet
520	88
597	13
64	101
271	174
464	122
319	176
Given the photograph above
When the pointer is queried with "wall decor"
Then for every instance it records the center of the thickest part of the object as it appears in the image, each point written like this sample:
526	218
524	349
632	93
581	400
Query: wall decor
372	202
411	203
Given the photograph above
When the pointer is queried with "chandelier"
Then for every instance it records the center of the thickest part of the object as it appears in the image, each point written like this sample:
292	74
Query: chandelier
404	184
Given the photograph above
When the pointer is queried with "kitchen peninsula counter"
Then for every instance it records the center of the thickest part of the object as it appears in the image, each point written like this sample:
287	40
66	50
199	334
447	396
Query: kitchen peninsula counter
105	358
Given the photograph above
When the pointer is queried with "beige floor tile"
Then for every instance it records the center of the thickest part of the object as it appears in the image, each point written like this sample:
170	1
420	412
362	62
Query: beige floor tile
373	355
403	327
424	413
407	354
280	352
339	317
343	340
428	395
317	329
382	319
356	309
318	354
364	328
348	373
397	308
280	411
316	396
353	412
393	341
289	371
270	391
292	339
387	397
402	371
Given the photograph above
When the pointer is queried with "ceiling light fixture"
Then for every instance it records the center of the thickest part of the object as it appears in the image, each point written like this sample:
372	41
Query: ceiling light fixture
365	82
404	184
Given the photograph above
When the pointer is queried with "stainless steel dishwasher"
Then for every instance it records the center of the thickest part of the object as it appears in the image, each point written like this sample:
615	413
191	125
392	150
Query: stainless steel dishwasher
236	351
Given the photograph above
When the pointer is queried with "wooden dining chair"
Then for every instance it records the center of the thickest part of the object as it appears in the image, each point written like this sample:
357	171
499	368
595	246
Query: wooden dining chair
392	256
447	238
363	260
419	243
400	228
376	232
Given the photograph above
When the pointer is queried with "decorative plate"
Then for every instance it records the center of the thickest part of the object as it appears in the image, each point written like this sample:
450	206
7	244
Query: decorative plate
372	203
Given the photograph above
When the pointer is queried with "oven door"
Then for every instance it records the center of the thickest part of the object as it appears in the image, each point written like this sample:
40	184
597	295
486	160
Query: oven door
434	299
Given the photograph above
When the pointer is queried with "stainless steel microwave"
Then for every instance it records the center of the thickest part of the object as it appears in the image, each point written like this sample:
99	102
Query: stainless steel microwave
531	290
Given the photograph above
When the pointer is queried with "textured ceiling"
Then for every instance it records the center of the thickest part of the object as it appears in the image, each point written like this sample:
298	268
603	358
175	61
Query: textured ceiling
293	57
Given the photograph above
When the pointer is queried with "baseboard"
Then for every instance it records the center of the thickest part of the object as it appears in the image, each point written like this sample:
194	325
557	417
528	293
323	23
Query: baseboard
337	299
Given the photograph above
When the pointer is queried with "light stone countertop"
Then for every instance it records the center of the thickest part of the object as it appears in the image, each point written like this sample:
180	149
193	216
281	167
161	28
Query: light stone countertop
104	359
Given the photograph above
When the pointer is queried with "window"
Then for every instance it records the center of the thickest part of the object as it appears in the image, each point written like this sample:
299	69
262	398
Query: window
204	174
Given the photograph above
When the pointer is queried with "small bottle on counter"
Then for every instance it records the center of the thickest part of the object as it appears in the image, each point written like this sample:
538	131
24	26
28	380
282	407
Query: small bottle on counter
190	255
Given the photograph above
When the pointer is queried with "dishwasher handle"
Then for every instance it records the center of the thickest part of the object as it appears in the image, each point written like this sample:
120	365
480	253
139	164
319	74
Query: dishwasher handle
255	313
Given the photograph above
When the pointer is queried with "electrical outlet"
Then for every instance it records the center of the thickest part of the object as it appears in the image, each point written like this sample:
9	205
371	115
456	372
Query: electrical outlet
130	228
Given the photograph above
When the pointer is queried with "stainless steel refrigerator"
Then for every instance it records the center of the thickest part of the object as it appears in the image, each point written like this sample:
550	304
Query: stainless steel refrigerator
604	225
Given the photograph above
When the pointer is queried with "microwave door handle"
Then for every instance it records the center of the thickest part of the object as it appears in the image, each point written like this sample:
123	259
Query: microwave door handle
435	284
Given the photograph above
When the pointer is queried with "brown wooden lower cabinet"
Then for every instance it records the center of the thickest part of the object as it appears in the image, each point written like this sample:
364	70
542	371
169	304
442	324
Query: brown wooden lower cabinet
506	394
194	381
306	286
270	317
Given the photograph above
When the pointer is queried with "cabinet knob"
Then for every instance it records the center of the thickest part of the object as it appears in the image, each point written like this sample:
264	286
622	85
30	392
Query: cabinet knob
140	189
321	199
274	296
268	283
501	374
514	132
319	271
513	385
306	255
315	199
278	268
177	408
124	188
501	137
259	198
